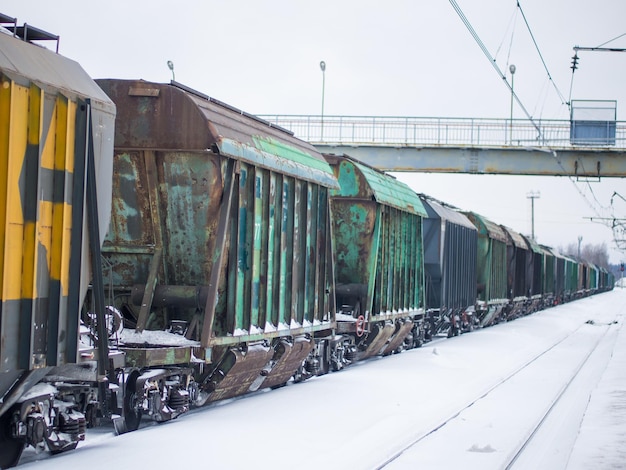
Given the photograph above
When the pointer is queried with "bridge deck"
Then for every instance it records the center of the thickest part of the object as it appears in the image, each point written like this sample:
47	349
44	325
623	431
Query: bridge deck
483	146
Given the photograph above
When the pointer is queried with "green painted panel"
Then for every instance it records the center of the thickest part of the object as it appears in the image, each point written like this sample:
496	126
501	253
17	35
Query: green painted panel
293	163
358	180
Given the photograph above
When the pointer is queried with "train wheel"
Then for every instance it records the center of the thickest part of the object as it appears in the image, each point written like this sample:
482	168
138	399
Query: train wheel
132	412
11	448
360	326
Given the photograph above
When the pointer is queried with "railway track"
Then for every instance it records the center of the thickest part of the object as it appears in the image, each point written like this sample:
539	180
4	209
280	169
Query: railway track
488	430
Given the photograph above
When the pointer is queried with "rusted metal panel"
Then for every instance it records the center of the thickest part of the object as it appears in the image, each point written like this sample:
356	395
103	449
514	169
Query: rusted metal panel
516	238
239	209
288	356
169	116
371	183
378	246
237	371
161	356
491	260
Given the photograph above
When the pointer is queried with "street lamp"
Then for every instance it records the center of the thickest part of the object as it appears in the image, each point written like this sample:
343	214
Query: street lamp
170	65
512	70
323	68
532	195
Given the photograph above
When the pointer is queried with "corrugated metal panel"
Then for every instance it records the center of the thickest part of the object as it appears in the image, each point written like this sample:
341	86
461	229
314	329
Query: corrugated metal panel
280	158
360	181
170	116
534	245
230	228
390	191
378	243
491	263
449	257
446	213
516	237
487	227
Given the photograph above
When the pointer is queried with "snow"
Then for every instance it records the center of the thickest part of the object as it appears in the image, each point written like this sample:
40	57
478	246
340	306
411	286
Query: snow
466	402
150	337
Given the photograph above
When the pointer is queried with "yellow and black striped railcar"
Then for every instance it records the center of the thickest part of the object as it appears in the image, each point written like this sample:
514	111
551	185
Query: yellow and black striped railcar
54	120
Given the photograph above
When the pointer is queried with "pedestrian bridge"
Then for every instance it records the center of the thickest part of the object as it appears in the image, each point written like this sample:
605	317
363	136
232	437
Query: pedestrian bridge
584	149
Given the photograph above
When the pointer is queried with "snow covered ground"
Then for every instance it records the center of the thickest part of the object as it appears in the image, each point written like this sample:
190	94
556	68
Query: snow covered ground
467	402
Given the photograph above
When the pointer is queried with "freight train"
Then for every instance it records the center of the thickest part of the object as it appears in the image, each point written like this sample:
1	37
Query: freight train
162	250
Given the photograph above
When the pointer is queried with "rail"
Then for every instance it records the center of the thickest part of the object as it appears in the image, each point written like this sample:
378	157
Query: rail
432	131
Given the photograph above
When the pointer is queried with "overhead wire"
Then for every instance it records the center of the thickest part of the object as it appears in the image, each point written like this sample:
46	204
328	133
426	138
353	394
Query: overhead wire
540	54
510	26
611	40
492	61
485	51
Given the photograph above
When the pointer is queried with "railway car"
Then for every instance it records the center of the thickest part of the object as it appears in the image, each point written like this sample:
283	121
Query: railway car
377	229
548	295
571	273
56	138
220	241
162	250
450	246
537	271
519	273
491	270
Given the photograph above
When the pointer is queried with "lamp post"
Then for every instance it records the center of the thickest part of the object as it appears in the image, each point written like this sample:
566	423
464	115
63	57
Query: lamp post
323	68
532	195
170	65
512	70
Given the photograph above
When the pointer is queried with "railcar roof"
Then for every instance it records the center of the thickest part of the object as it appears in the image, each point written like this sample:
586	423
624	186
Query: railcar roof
516	238
535	246
171	116
392	192
439	211
27	62
384	188
487	227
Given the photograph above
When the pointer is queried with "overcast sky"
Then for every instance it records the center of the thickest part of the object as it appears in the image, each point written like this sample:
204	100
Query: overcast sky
393	58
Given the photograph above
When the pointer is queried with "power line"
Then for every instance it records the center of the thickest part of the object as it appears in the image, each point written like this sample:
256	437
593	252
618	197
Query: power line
539	52
492	61
611	40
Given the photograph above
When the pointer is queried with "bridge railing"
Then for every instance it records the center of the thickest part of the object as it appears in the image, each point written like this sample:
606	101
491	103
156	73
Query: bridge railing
402	131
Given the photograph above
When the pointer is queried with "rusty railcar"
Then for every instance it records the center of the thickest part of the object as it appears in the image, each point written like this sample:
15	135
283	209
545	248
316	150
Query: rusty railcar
220	231
491	270
379	259
56	140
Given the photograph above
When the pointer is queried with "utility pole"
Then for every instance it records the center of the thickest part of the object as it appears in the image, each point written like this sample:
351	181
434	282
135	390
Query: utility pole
580	239
532	195
323	69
